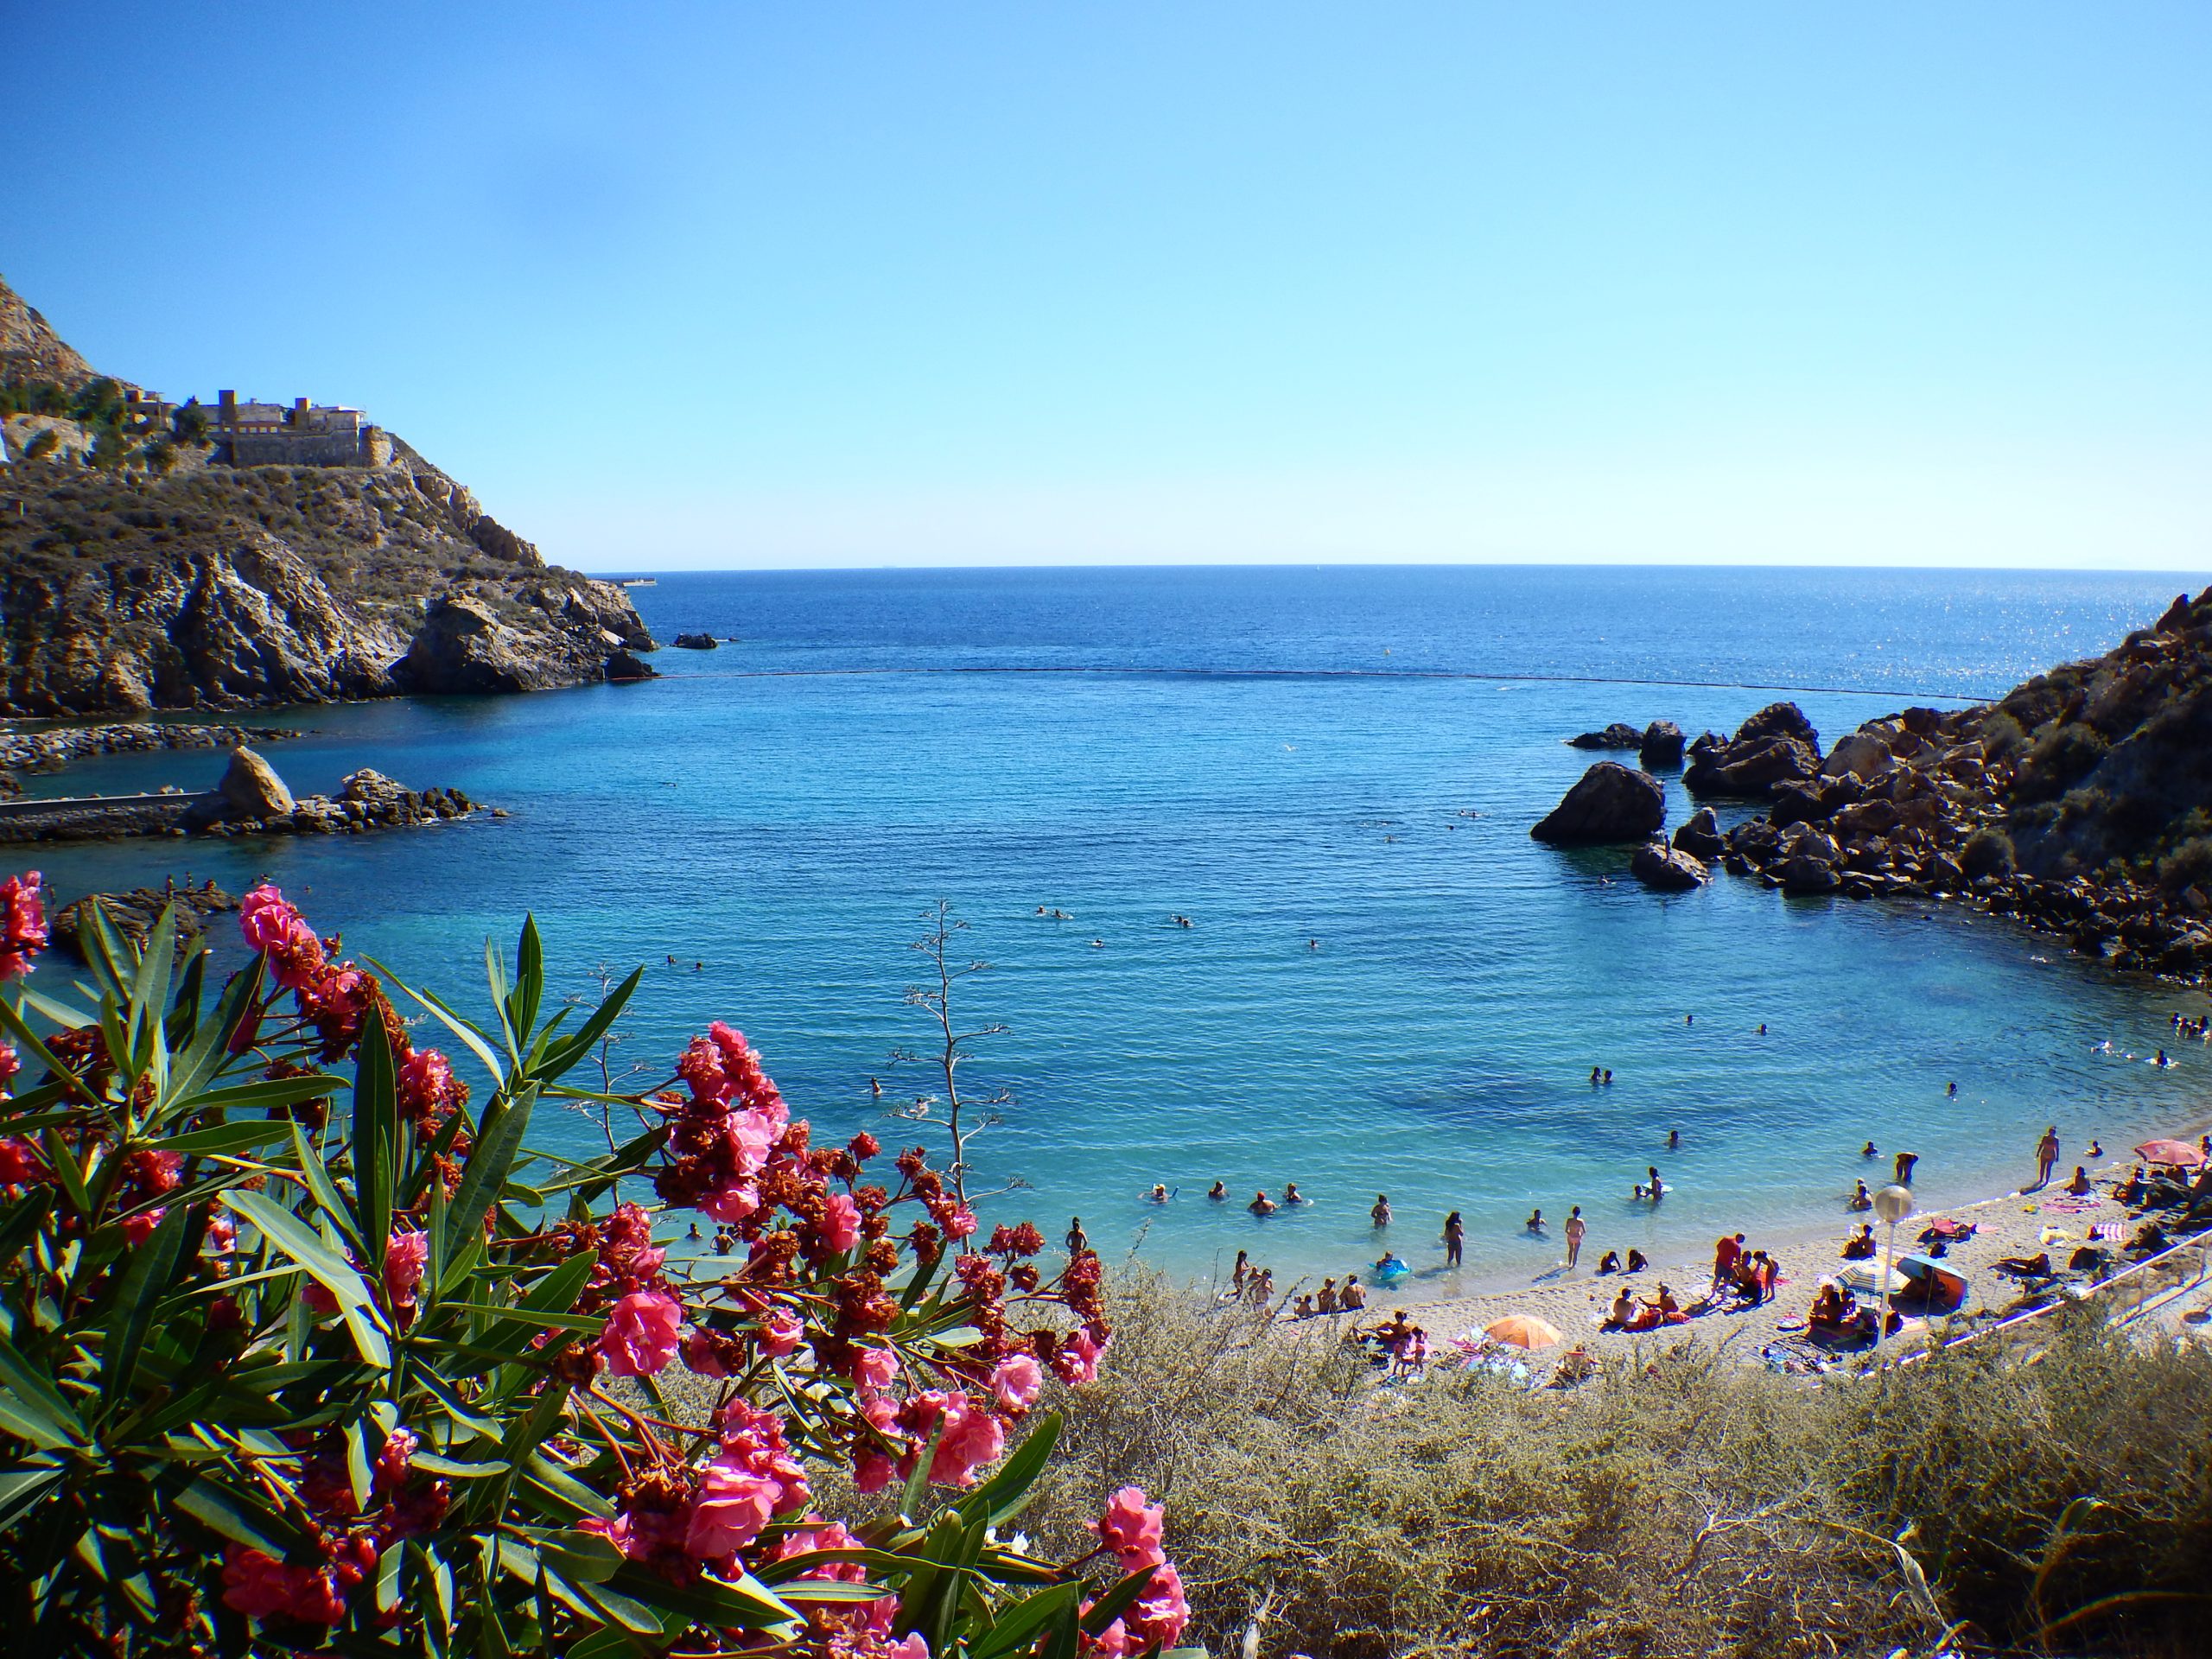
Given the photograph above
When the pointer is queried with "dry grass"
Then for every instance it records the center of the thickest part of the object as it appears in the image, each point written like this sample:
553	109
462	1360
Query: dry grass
1684	1505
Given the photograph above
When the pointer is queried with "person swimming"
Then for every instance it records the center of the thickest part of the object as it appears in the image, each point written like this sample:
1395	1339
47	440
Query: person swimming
1159	1194
1262	1204
1870	1150
1860	1198
1535	1222
1674	1140
1291	1194
1218	1192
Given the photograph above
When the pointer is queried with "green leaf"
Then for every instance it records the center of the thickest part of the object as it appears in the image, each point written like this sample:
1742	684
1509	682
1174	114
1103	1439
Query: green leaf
64	1165
1017	1627
1116	1601
239	1518
529	981
220	1139
150	999
1009	1491
22	1485
605	1642
747	1604
559	1058
376	1117
458	1468
147	1274
462	1028
37	1402
28	1040
328	1199
489	1161
556	1293
209	1050
584	1556
289	1234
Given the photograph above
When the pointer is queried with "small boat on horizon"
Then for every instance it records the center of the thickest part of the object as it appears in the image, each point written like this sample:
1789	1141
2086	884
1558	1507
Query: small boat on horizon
638	581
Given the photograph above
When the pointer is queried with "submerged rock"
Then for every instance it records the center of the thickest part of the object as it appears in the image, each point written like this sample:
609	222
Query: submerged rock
1668	868
1618	735
697	642
1610	803
133	914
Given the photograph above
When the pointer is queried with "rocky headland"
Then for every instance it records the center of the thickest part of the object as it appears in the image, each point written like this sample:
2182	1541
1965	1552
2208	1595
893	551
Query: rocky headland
142	567
2079	802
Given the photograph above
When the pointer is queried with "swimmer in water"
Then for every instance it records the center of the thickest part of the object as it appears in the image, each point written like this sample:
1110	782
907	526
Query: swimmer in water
1658	1186
1595	1073
2095	1151
1262	1204
1290	1193
1870	1151
1159	1192
875	1087
1951	1090
1381	1212
1535	1222
1762	1027
1218	1192
1674	1140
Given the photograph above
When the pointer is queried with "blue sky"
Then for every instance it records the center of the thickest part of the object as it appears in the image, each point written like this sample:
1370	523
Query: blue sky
754	285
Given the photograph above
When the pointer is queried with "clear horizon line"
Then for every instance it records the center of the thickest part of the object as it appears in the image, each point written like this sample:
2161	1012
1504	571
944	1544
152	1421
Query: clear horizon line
607	572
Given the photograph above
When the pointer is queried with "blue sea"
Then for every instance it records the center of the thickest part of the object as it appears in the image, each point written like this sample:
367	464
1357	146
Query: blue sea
1388	987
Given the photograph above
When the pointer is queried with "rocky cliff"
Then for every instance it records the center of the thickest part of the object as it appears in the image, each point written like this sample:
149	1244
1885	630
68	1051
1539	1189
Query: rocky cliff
203	586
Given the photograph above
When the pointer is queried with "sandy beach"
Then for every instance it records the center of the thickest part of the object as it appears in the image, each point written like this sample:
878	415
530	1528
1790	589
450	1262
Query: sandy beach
2018	1224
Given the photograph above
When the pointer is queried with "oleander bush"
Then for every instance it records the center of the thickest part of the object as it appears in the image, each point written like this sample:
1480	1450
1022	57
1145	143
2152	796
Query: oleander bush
300	1353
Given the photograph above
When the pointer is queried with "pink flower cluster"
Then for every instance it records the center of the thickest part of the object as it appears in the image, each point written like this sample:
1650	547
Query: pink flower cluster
679	1519
405	1503
339	999
1131	1531
22	924
404	1257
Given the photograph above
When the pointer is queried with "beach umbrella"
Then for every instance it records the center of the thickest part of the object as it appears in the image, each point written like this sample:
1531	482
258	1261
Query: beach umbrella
1523	1330
2178	1153
1866	1276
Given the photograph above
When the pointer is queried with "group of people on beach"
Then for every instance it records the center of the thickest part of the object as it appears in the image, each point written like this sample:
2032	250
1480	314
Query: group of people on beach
1256	1285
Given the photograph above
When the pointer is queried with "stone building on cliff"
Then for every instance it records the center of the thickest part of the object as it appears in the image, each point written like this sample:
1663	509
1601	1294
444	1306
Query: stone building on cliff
249	433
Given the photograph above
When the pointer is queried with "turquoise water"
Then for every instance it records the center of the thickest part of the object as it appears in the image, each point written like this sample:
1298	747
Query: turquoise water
1238	747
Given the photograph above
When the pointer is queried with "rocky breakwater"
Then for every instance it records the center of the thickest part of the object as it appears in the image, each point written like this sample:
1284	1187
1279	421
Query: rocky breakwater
251	800
51	750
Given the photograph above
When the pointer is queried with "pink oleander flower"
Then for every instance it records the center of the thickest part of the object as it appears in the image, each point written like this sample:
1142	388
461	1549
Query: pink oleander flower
840	1223
961	1222
393	1462
781	1330
222	1232
137	1228
153	1173
751	1136
404	1255
641	1334
21	1162
733	1506
873	1471
428	1091
22	924
278	931
732	1204
11	1065
1161	1611
1131	1528
1076	1362
873	1369
1017	1381
972	1437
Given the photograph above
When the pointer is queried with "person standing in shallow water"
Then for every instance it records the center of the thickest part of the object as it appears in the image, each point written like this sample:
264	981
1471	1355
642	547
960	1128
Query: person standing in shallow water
1576	1227
1905	1163
1078	1242
1455	1239
1381	1212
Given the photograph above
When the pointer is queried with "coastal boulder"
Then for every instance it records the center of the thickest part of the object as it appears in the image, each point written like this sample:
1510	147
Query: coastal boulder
1779	720
463	646
1618	735
252	790
1700	837
1661	746
1862	752
1667	868
1749	767
1807	875
697	642
1610	803
626	665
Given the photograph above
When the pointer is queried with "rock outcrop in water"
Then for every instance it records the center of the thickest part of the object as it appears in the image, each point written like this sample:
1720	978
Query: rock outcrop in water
1609	804
163	578
1669	870
2080	803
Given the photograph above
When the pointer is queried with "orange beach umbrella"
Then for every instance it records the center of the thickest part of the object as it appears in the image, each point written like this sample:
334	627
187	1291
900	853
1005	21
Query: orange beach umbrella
1523	1330
2178	1153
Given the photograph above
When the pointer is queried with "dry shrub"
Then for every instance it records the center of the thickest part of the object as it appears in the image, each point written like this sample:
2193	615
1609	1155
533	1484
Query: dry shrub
1684	1504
